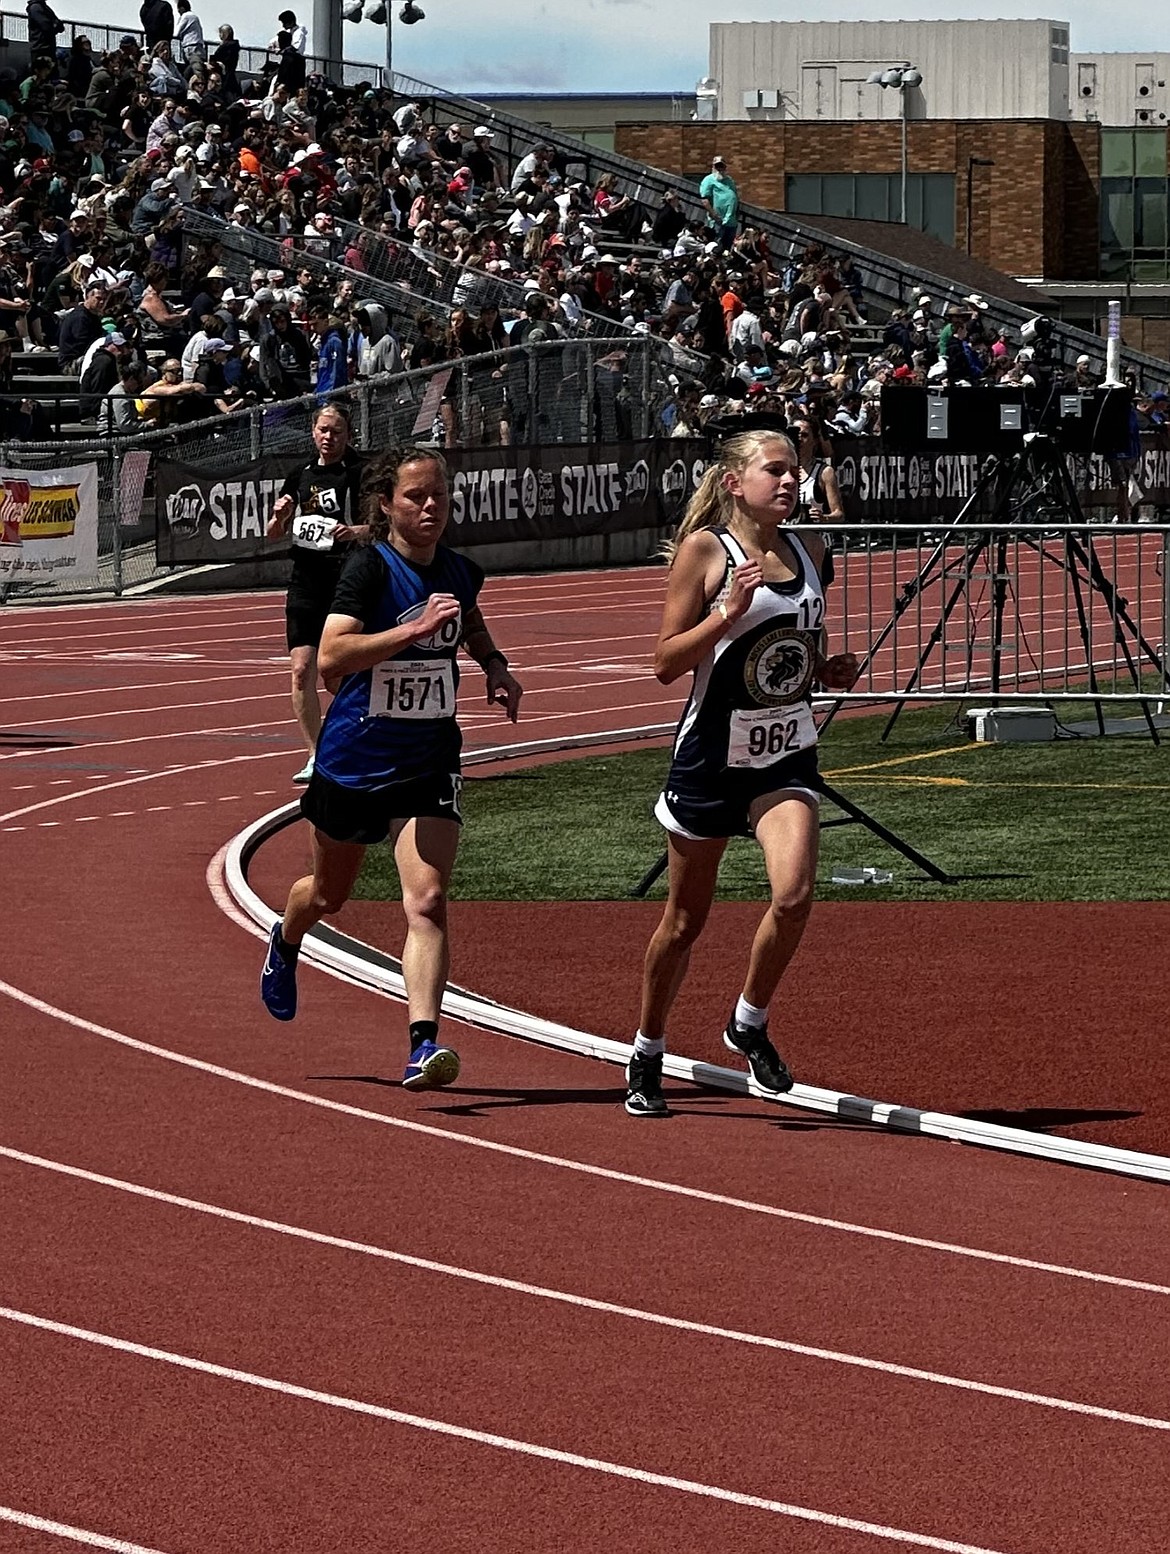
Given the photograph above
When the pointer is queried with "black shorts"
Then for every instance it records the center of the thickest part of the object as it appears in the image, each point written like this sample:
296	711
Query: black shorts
720	808
365	815
305	610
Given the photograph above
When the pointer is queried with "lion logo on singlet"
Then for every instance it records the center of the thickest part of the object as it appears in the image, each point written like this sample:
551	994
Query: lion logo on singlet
780	667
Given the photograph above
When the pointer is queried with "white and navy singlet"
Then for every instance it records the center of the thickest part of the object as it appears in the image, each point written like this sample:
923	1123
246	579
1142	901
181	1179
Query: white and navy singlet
747	728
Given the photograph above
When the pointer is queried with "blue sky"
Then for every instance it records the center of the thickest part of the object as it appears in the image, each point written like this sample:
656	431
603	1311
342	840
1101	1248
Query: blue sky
605	45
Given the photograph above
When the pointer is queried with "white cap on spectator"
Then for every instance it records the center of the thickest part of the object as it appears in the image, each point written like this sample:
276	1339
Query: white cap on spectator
919	317
789	347
1026	354
276	277
85	260
241	207
217	271
481	132
184	153
708	401
608	259
1082	361
159	186
115	339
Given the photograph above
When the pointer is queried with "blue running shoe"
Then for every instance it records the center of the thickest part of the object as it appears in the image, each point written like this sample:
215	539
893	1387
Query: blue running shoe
431	1067
278	981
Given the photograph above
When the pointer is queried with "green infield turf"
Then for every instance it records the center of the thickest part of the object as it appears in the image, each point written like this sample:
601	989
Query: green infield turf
1081	819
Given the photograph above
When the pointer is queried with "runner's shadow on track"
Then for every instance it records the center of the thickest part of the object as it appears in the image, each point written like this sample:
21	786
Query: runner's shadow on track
459	1102
32	742
1038	1119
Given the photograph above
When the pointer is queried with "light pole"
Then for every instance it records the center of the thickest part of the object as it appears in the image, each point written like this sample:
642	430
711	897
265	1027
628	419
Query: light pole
972	163
902	78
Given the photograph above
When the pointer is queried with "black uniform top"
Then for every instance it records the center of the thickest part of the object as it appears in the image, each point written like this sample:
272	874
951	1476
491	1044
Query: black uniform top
325	495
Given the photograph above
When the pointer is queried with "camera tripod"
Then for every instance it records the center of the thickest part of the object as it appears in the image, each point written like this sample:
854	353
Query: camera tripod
1042	465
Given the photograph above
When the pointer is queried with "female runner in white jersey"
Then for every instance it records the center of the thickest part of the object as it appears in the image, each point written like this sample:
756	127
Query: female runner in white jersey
744	611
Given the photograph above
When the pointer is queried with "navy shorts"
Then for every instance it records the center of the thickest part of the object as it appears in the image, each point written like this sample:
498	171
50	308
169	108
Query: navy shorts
719	808
365	815
305	611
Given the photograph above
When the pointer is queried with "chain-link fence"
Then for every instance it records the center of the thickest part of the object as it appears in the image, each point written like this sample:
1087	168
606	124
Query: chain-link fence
579	391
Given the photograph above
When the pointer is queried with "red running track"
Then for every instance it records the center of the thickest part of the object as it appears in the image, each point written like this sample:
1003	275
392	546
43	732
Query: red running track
255	1297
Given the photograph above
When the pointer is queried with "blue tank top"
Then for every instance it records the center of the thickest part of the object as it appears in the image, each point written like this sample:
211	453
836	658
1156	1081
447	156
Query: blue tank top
396	721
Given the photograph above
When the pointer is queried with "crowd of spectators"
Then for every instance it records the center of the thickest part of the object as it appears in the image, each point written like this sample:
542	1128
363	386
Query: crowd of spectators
104	158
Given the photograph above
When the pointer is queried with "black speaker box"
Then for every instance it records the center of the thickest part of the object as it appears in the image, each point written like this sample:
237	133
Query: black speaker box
987	421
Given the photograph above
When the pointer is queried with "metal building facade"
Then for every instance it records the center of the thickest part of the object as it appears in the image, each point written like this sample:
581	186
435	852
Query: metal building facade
817	70
1120	89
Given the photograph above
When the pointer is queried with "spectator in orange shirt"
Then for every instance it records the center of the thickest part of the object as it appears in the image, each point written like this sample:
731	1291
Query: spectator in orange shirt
732	303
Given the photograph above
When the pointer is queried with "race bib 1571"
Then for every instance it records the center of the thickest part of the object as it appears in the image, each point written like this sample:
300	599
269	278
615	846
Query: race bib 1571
412	688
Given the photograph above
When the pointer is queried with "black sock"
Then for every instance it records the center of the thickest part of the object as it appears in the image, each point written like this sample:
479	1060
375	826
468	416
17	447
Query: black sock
286	951
423	1030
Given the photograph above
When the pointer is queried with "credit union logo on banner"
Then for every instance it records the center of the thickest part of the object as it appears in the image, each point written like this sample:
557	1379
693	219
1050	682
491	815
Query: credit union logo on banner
30	512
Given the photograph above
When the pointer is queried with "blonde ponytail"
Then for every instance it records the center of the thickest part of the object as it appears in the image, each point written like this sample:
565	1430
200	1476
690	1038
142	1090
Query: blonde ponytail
713	506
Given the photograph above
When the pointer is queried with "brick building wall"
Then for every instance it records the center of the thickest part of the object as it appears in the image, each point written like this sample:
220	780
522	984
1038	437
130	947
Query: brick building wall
1033	211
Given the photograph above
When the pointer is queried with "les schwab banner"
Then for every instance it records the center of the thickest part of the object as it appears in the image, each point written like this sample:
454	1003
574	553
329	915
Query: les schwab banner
498	495
49	524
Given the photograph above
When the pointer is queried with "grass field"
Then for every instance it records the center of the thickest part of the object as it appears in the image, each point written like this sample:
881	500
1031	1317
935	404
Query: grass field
1081	819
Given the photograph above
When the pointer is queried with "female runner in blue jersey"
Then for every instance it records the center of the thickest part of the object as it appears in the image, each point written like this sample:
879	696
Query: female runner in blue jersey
744	612
387	761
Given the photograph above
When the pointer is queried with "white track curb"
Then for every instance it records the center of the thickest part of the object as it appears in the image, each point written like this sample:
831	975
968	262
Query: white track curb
328	953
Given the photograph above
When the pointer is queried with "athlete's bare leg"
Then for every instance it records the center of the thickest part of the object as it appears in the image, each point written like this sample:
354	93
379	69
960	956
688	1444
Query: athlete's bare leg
424	850
788	830
694	867
326	890
305	698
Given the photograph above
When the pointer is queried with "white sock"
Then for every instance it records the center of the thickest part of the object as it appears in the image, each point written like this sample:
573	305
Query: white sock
748	1014
645	1047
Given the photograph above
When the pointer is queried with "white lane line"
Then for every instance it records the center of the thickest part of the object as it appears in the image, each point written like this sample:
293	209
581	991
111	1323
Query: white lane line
129	782
92	1540
151	685
505	1443
230	729
588	1303
604	1173
139	712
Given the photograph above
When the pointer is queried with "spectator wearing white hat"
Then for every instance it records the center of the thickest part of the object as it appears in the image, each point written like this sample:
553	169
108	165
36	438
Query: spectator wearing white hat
477	155
184	175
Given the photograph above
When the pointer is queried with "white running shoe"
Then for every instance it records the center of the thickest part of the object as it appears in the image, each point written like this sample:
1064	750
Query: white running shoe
306	771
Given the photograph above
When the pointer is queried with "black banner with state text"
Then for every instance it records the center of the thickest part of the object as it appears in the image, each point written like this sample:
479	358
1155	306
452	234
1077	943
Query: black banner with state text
498	496
881	487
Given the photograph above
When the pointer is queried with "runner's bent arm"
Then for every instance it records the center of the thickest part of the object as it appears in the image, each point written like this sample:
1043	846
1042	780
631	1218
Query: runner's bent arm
688	631
347	648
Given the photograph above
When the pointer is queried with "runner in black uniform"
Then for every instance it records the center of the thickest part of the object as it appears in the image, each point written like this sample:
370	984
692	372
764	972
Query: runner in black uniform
744	610
318	505
388	753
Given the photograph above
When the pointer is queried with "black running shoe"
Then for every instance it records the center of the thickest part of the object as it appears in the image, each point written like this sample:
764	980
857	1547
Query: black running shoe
769	1069
644	1097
